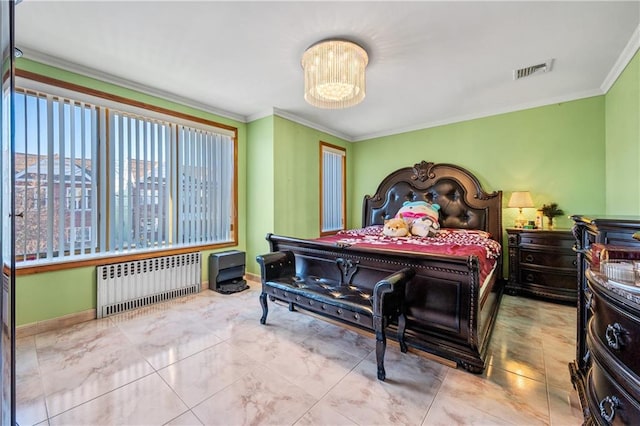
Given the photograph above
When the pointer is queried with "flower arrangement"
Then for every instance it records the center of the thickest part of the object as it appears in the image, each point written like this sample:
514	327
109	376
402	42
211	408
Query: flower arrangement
551	211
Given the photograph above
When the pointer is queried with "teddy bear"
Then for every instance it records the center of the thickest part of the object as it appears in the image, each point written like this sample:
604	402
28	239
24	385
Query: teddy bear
395	227
421	217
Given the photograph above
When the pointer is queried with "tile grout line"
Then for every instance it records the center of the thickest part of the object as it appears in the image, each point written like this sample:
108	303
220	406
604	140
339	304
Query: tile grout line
318	400
333	387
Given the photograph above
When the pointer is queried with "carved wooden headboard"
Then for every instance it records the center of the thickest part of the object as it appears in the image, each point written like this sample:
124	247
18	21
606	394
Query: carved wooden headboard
463	202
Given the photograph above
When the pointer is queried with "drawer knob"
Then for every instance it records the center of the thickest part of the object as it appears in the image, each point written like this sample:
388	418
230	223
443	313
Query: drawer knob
529	258
529	278
614	336
575	262
608	407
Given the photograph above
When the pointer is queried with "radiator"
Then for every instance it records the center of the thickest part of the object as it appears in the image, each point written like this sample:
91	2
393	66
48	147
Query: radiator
129	285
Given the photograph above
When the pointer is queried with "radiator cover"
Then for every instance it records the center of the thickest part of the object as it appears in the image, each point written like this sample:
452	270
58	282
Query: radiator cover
129	285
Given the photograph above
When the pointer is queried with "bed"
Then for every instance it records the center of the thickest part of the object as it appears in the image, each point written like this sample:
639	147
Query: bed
453	300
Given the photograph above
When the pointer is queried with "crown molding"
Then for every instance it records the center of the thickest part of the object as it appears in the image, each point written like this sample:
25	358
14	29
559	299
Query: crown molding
259	115
623	60
45	59
484	114
307	123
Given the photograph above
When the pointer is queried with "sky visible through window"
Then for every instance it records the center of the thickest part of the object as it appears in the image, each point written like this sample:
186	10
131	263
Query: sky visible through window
31	125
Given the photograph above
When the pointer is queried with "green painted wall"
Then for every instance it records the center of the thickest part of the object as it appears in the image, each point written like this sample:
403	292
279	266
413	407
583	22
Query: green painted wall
52	294
260	190
285	169
297	177
622	119
556	152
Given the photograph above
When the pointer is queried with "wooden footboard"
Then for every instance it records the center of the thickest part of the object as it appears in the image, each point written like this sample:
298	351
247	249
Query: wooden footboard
446	315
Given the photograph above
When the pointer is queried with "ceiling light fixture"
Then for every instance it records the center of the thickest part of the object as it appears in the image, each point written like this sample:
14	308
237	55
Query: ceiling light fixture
334	74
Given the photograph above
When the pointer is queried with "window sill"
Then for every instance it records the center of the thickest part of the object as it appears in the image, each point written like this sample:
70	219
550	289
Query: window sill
36	267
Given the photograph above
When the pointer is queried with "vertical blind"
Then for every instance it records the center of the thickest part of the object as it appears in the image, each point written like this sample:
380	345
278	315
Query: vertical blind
206	186
94	180
333	196
139	171
56	147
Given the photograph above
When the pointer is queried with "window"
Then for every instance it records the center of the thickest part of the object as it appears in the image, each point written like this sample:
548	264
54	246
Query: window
205	173
141	149
78	198
332	188
42	197
94	176
55	149
78	234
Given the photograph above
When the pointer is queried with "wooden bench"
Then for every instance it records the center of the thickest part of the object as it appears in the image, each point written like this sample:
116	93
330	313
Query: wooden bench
337	294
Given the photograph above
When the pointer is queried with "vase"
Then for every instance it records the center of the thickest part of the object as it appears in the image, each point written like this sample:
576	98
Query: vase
550	223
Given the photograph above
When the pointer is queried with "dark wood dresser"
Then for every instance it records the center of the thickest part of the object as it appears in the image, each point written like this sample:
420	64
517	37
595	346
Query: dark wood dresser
606	371
542	263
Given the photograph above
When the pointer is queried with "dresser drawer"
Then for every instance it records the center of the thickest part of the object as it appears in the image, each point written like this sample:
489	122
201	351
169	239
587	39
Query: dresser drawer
550	259
600	372
547	240
617	330
549	279
608	402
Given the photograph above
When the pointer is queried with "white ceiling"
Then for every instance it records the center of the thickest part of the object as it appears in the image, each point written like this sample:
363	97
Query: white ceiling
430	62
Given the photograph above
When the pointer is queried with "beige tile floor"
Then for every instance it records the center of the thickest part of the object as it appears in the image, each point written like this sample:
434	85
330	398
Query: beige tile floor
205	359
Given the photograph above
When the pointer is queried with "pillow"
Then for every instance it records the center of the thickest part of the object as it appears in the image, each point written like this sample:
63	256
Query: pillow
459	231
369	230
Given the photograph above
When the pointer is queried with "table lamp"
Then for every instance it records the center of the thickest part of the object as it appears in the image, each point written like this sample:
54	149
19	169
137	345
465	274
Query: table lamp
520	200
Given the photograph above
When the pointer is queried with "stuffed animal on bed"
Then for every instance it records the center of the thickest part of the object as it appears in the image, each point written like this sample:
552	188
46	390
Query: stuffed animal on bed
421	217
395	227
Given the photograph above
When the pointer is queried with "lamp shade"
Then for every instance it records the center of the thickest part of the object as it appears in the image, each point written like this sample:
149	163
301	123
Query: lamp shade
520	199
334	74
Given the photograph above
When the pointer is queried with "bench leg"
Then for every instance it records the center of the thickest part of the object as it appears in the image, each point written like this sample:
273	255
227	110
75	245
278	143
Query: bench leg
402	324
381	347
265	310
291	307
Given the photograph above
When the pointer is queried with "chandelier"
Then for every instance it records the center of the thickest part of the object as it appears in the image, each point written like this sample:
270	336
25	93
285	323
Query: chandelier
334	74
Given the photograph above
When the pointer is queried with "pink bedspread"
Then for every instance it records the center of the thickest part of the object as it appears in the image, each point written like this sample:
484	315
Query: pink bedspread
456	242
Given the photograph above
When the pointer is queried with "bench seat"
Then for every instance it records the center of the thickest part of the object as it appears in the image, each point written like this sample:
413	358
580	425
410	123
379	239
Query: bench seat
370	307
342	298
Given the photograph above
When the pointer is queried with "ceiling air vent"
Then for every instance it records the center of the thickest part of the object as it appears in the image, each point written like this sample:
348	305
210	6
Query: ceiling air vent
532	70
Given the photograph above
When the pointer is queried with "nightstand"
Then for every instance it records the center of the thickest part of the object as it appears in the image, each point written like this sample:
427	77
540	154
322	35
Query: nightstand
542	263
